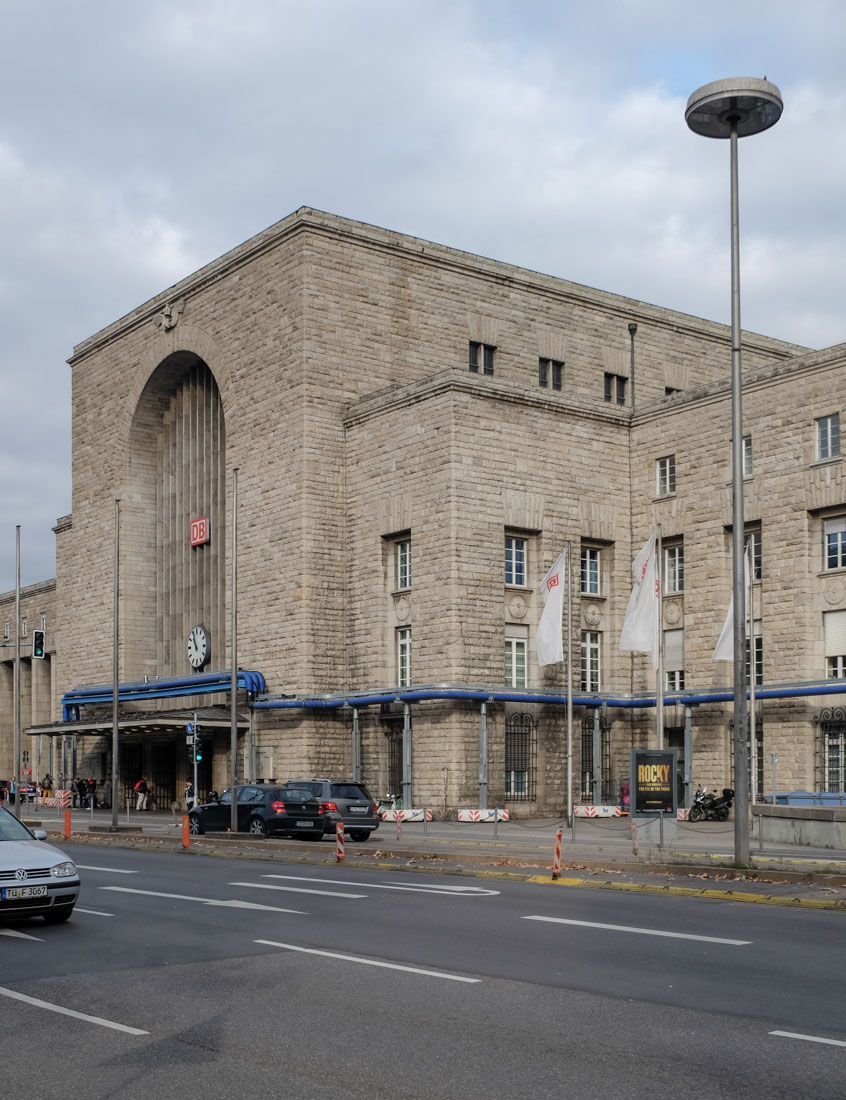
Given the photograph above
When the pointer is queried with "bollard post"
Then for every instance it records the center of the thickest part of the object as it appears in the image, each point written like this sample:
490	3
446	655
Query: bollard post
67	831
556	859
760	832
398	820
127	809
186	832
660	832
425	822
339	842
496	819
633	826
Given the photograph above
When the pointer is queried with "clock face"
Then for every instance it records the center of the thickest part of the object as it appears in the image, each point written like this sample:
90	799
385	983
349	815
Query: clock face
198	646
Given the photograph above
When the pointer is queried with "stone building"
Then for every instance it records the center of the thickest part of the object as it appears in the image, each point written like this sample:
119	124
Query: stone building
418	433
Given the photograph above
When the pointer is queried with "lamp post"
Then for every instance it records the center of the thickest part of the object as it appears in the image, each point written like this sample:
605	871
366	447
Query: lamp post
731	109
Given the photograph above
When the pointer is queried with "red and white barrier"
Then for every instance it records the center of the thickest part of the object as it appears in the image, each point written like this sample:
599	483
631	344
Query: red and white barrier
339	842
597	811
63	798
683	815
483	815
405	815
556	859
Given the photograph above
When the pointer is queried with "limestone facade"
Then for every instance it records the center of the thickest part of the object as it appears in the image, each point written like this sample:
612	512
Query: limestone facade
331	364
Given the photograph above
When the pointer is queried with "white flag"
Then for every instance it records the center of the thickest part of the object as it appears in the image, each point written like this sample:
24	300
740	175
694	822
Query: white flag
640	626
549	645
724	649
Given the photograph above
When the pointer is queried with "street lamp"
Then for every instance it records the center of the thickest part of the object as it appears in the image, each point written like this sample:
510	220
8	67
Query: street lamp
731	109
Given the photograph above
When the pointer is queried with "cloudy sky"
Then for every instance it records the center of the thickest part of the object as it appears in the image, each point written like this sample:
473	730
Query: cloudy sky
140	139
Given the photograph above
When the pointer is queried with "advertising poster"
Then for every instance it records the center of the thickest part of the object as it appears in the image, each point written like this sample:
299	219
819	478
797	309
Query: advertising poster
653	782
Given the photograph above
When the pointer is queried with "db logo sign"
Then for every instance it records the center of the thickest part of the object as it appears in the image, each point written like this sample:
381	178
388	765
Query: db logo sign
199	531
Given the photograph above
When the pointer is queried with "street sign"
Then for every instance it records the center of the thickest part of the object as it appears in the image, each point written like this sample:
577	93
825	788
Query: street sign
189	727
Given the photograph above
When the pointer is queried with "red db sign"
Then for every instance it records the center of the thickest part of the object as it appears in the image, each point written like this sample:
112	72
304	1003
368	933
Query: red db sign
199	531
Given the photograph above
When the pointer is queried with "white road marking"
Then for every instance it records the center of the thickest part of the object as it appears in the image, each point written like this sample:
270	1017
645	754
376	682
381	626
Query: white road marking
297	889
19	935
809	1038
369	962
641	931
205	901
70	1012
109	870
422	888
92	912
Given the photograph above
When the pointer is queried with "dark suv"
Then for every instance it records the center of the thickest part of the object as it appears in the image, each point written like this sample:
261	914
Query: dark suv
263	810
343	800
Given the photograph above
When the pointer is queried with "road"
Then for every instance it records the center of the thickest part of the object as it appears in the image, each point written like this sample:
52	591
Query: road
188	975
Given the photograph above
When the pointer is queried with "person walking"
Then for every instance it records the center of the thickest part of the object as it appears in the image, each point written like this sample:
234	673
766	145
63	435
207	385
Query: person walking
81	788
188	796
142	790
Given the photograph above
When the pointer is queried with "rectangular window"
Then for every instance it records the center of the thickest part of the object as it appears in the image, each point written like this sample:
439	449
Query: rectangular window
590	571
828	437
6	631
402	551
404	657
521	751
673	570
759	655
481	357
753	539
550	370
23	628
615	388
834	637
43	622
515	560
748	469
665	475
834	533
591	645
515	663
834	779
674	660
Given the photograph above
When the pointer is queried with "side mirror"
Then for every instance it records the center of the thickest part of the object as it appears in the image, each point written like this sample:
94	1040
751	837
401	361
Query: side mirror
39	834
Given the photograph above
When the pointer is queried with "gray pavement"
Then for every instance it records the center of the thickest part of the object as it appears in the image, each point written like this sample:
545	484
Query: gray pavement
681	858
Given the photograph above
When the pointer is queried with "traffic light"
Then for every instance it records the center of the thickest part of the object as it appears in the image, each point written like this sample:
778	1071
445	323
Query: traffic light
198	751
38	643
189	741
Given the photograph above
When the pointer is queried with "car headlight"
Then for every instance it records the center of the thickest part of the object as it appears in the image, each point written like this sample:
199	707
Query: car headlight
63	870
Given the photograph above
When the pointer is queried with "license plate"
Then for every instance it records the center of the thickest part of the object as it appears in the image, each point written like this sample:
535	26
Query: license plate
358	809
23	892
304	824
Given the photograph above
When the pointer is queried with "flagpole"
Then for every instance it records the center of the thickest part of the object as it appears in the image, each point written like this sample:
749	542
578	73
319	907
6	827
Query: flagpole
659	686
753	739
568	549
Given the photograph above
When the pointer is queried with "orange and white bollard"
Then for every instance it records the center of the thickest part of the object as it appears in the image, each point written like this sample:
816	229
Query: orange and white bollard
186	832
67	831
339	842
398	816
556	859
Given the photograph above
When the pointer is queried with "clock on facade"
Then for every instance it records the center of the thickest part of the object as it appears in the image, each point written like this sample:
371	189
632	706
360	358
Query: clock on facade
199	647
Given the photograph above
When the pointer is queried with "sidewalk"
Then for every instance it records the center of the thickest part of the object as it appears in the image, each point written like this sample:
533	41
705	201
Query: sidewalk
596	853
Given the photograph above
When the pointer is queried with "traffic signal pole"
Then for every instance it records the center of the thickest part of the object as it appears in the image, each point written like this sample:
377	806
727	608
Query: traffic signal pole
194	754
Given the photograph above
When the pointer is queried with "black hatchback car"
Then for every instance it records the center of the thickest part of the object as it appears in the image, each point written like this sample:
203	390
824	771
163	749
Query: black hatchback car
263	810
343	800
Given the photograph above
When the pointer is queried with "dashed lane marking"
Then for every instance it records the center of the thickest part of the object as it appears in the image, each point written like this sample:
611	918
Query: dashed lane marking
233	904
370	962
642	931
108	870
70	1012
422	888
19	935
297	889
809	1038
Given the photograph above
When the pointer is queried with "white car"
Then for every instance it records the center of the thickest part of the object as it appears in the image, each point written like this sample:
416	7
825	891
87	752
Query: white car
36	879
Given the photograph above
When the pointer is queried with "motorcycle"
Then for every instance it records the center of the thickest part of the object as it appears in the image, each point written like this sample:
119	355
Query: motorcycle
711	807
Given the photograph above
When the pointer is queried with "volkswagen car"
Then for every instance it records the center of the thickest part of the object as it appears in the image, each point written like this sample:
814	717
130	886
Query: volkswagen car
263	810
36	879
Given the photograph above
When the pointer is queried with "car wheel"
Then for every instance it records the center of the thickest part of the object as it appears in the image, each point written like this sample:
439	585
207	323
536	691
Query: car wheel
59	915
258	827
696	813
195	826
359	834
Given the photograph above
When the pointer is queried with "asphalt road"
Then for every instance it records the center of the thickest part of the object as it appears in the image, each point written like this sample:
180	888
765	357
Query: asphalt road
188	975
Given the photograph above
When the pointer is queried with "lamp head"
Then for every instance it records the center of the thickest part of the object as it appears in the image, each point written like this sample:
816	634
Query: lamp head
742	103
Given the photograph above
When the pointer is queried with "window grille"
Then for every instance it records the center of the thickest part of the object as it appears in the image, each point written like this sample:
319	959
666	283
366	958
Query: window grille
521	758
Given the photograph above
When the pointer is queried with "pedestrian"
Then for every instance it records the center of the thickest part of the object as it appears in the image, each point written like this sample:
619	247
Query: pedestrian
142	790
47	784
81	787
188	796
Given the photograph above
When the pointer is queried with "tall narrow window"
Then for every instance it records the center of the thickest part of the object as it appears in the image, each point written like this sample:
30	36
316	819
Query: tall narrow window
402	551
515	662
753	539
834	531
748	468
674	570
481	357
615	388
43	622
6	631
550	370
515	560
759	654
828	437
591	645
674	660
834	636
404	657
665	475
521	757
23	628
590	576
